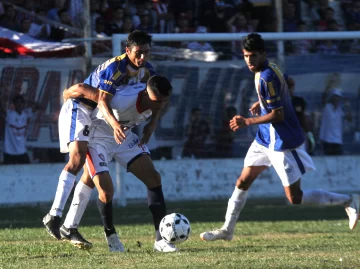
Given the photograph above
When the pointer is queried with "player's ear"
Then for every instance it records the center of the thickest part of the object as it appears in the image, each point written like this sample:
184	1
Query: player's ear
127	50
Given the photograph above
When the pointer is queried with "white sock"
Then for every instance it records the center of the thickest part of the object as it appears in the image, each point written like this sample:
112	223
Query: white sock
78	205
65	185
321	197
235	205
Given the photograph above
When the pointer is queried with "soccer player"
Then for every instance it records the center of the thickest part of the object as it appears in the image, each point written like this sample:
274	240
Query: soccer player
74	119
276	143
132	105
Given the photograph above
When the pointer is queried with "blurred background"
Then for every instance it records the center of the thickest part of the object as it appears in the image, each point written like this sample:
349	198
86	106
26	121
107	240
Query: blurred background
43	52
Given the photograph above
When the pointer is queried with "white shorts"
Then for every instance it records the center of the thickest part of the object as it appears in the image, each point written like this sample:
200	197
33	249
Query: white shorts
290	165
74	123
101	152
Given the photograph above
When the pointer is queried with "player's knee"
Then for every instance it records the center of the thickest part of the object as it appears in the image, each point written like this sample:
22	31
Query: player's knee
155	180
76	162
106	196
244	183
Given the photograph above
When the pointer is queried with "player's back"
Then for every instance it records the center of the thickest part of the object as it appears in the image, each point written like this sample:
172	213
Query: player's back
125	105
274	94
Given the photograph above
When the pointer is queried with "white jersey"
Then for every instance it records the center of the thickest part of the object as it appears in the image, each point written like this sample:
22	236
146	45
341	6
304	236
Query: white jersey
15	131
102	146
126	110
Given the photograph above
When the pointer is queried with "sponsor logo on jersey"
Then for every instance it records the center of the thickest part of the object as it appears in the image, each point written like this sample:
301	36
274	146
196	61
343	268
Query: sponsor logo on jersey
133	143
102	157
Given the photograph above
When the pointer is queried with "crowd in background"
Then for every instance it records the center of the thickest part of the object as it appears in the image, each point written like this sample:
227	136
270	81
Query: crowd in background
109	17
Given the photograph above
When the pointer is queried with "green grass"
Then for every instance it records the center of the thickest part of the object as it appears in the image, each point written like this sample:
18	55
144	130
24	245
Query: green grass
270	234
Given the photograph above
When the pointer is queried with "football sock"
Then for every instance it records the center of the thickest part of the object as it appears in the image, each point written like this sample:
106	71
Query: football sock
106	213
65	185
235	205
78	205
157	206
321	197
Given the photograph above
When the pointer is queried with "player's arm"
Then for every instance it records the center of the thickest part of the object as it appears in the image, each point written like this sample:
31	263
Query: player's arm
81	90
238	121
150	127
105	108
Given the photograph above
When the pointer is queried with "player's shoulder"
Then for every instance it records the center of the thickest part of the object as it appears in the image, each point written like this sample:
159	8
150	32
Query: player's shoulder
271	72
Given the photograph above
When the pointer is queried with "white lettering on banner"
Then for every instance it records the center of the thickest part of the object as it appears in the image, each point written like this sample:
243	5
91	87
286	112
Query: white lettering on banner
41	81
183	180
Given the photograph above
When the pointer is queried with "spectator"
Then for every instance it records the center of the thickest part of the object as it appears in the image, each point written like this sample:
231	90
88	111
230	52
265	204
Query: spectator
53	13
165	17
30	6
145	24
238	24
116	23
16	124
8	19
200	45
182	24
290	22
127	26
331	126
302	47
216	22
100	25
306	124
197	131
58	34
34	30
225	137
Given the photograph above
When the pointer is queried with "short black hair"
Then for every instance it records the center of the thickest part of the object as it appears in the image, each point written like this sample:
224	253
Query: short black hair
159	85
138	38
18	98
253	42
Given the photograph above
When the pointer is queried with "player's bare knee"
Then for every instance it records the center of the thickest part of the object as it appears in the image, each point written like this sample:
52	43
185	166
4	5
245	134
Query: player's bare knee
243	183
76	162
155	180
106	196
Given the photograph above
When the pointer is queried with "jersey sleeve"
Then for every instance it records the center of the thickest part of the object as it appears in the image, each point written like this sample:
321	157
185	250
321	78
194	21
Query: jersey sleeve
270	90
108	77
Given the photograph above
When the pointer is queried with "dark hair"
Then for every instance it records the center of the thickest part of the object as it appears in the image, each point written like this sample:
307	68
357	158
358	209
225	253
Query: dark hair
253	42
159	85
18	98
138	38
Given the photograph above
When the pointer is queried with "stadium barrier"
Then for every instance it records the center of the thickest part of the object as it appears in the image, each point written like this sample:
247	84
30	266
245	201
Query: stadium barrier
182	180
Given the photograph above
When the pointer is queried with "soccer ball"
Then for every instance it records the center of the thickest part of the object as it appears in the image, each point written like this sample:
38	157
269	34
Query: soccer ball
175	228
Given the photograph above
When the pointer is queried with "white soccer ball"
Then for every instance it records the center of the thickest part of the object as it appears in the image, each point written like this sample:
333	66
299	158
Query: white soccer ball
175	228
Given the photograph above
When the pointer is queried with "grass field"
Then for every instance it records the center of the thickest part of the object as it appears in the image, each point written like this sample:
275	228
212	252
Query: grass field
270	234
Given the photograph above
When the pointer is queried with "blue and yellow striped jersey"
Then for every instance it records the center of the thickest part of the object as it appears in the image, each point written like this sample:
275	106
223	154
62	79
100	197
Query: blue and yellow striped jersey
115	72
273	94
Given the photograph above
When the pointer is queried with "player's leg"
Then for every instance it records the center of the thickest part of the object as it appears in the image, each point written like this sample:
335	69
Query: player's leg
143	168
256	161
97	161
235	204
74	122
69	230
291	165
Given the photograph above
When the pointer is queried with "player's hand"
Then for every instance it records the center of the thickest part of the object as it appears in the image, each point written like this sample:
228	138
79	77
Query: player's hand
66	95
237	122
119	133
255	109
149	128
